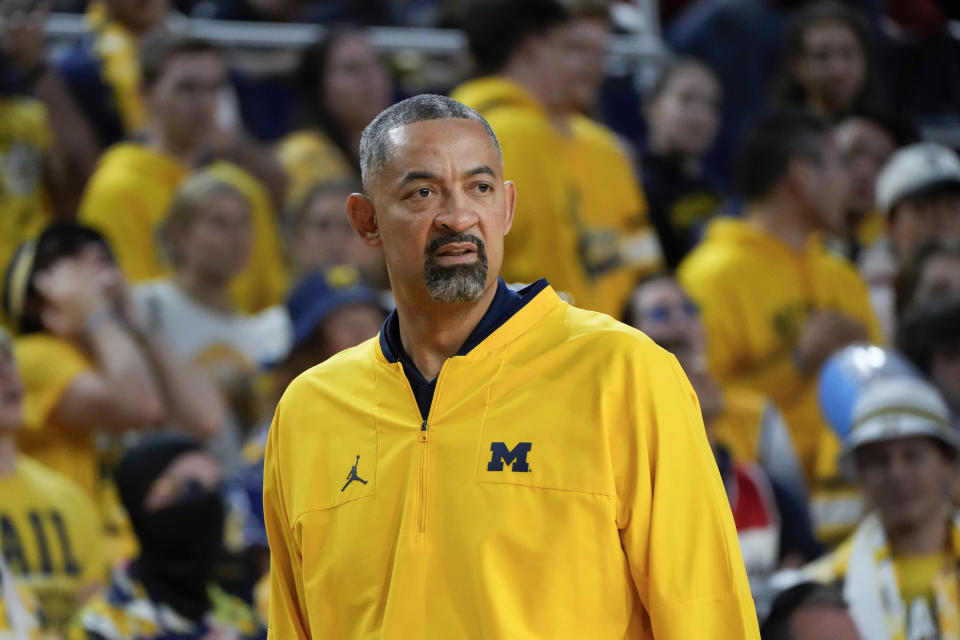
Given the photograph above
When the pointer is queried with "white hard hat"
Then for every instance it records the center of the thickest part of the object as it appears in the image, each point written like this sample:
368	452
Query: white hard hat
900	407
914	170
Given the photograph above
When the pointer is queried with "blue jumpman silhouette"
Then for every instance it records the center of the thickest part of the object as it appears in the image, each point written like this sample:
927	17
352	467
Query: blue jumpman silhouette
353	475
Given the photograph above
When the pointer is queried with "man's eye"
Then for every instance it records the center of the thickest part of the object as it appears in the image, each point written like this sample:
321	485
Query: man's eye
423	193
483	187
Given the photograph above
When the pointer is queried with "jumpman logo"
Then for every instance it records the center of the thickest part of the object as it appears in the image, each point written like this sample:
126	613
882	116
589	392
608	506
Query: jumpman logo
353	475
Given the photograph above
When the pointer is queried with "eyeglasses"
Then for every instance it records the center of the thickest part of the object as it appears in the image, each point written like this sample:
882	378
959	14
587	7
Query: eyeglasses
661	314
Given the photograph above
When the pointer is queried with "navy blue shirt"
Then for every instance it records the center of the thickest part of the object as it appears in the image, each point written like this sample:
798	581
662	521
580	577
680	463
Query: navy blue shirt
505	304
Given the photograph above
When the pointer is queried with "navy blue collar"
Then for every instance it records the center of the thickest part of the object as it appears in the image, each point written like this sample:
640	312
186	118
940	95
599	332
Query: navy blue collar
505	304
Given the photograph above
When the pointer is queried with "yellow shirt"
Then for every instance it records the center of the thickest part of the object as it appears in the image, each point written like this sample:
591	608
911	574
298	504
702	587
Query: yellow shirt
48	365
581	217
117	50
51	539
915	575
892	596
755	294
24	140
539	499
309	157
127	200
68	451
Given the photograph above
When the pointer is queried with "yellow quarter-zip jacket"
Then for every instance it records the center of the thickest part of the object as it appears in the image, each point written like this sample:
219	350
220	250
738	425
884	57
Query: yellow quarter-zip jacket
560	486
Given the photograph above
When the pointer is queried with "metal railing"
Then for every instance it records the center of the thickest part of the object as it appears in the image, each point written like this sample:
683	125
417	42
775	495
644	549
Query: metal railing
269	35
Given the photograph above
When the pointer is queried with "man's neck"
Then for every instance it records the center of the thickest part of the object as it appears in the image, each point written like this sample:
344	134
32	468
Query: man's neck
782	219
924	539
186	153
203	291
431	332
8	455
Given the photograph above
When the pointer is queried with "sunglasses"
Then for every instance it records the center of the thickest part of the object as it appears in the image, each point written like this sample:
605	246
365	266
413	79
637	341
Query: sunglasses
662	313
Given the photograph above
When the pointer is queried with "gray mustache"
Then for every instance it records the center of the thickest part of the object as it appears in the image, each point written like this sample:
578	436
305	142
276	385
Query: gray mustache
436	243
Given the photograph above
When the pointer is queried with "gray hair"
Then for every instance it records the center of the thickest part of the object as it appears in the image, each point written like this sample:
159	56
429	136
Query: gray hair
375	146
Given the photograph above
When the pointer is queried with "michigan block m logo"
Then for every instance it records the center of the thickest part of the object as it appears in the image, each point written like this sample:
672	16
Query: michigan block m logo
502	455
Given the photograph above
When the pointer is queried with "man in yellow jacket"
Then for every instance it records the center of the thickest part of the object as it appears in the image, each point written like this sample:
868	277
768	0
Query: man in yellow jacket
582	220
495	464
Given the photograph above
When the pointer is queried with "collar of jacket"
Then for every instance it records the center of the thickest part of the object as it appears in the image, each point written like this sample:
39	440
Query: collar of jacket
493	331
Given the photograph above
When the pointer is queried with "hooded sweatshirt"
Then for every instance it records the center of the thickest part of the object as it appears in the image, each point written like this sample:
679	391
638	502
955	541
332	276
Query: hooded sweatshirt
756	294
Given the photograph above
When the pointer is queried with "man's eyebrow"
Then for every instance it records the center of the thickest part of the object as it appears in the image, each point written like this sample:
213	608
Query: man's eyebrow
411	176
482	169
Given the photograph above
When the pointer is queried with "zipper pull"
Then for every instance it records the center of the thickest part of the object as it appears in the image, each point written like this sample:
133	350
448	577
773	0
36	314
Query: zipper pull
423	431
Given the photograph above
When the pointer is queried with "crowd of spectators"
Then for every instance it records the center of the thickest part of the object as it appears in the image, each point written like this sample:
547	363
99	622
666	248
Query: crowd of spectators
780	200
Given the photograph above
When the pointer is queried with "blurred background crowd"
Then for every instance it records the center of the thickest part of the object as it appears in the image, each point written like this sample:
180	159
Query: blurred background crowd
769	189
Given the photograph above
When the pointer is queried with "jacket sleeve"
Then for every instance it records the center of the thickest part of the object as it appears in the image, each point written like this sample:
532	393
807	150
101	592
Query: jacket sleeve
675	521
287	616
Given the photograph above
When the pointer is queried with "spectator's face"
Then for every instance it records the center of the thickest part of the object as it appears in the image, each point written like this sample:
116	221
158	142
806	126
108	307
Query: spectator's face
323	236
685	115
441	210
585	47
832	67
350	325
822	623
188	473
140	16
355	84
864	148
217	243
916	222
907	479
184	97
826	189
939	279
666	314
11	392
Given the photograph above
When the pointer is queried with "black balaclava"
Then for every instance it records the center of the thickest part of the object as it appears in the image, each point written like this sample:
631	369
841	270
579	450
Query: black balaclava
180	543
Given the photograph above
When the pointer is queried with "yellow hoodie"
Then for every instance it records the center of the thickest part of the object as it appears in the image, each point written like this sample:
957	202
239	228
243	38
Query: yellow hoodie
755	294
561	486
581	219
127	200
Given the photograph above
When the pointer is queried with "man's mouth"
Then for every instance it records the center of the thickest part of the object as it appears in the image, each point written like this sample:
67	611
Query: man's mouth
456	253
456	249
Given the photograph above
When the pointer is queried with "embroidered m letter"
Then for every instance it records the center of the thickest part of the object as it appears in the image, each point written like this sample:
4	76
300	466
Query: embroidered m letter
502	455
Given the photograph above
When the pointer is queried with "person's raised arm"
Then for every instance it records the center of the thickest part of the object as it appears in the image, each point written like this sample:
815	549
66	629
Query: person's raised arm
120	392
193	402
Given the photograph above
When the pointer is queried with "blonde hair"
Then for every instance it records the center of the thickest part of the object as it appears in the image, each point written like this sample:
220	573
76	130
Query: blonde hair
191	196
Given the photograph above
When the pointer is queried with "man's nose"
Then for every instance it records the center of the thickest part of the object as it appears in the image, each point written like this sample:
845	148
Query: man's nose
457	213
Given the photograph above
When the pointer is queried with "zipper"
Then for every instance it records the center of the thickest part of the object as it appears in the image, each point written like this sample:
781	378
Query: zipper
424	440
422	504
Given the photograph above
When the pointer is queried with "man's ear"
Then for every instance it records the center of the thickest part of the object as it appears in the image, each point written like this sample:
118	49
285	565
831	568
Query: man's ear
510	193
363	218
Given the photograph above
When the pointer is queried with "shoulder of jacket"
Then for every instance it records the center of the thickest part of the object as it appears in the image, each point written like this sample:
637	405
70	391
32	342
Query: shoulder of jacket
351	363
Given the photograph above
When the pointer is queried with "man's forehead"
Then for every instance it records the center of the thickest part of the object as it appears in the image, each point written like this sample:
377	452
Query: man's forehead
438	130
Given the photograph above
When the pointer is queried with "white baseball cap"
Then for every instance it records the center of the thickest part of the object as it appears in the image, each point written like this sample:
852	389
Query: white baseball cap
900	407
914	170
